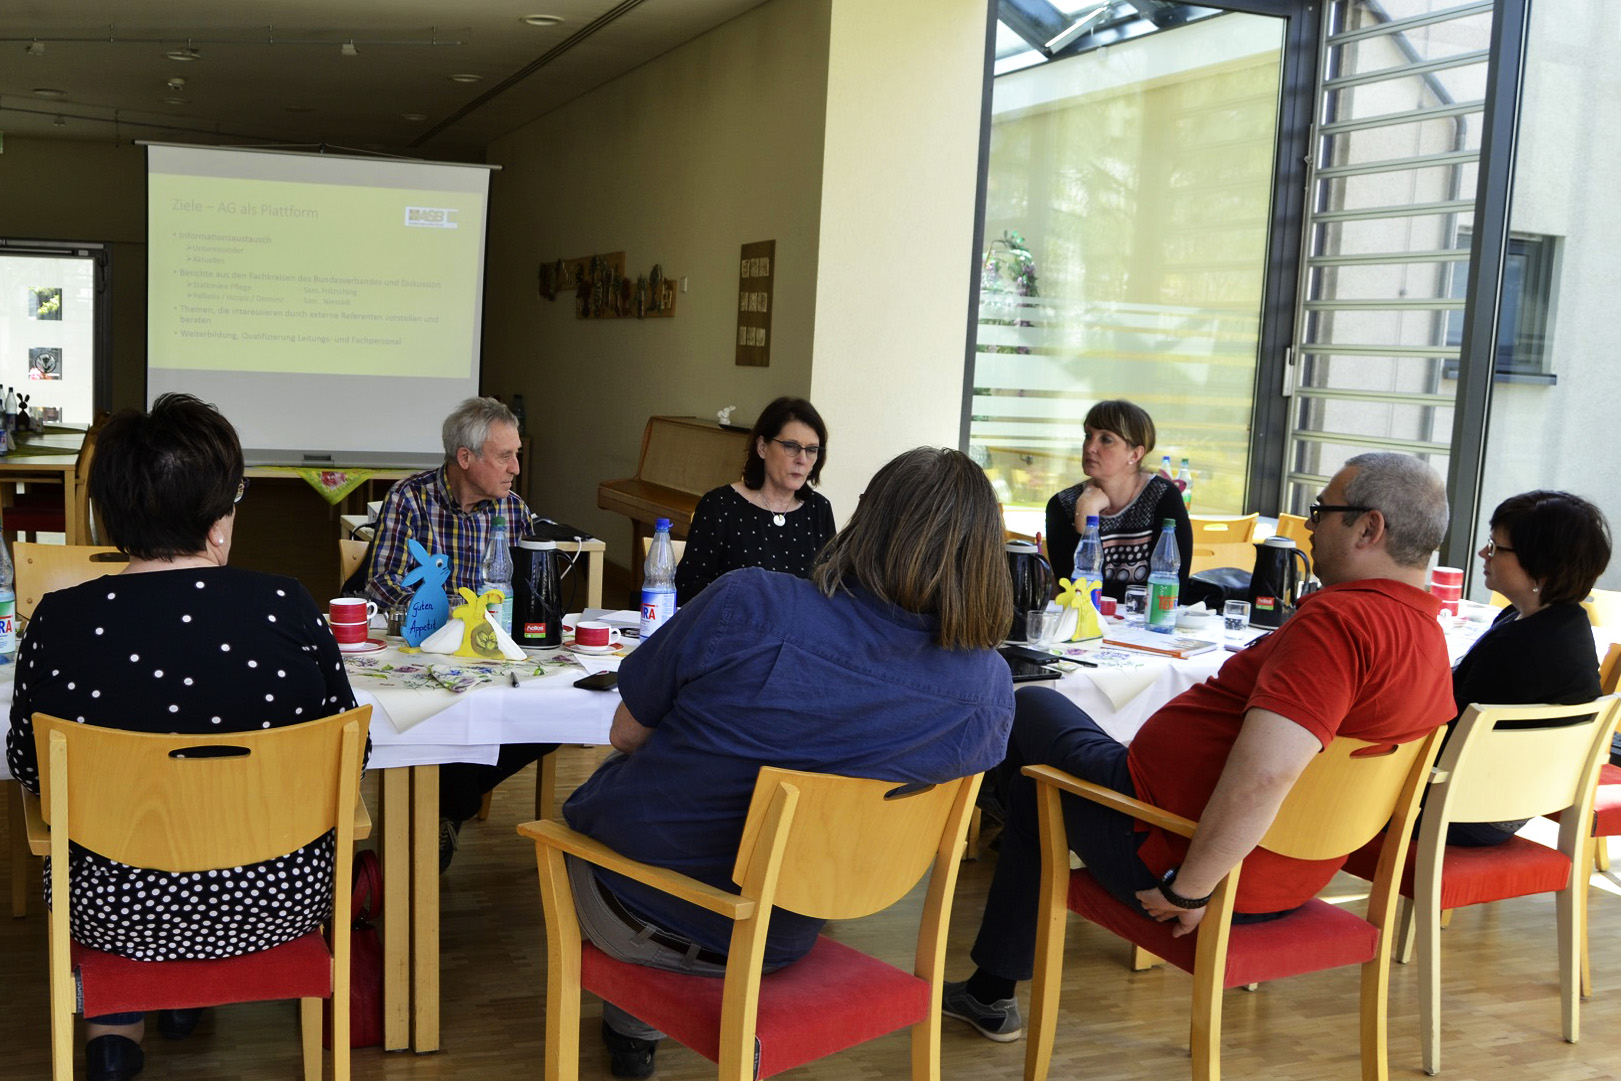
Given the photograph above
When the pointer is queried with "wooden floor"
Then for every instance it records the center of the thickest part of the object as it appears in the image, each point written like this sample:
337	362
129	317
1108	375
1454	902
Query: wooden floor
1500	995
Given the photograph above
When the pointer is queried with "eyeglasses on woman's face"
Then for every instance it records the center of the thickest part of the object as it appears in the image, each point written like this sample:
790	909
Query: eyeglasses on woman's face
1492	548
794	450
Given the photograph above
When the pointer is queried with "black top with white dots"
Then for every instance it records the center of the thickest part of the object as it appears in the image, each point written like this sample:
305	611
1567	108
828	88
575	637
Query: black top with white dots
729	532
188	651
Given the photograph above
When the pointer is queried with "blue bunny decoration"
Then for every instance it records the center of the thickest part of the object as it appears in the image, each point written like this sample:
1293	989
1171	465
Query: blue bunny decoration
428	610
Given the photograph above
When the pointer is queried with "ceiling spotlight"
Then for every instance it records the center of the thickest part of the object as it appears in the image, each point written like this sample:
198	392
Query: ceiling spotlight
541	20
35	48
348	49
176	84
466	77
48	92
60	122
185	55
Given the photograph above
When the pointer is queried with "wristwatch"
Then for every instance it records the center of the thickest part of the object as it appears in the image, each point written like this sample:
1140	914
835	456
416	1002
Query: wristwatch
1176	898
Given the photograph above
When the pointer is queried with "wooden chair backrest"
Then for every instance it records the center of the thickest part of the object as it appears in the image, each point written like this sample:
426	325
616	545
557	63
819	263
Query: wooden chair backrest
88	529
1344	798
350	555
151	801
1609	670
851	849
677	545
41	568
1208	556
1293	526
1604	608
1223	529
1493	773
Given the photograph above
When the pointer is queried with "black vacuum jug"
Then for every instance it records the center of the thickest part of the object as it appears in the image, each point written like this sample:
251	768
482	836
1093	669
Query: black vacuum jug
1275	585
537	594
1033	583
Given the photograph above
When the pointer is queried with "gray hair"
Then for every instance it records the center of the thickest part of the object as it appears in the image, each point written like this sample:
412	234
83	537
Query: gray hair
1410	495
469	425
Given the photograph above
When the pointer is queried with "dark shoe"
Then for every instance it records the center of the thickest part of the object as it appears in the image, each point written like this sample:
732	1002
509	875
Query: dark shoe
113	1058
178	1024
450	839
999	1020
629	1057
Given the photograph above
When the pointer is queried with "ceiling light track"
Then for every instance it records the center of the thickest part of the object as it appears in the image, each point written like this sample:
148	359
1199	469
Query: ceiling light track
607	18
431	41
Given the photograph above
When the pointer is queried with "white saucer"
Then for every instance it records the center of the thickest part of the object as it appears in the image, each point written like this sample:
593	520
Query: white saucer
611	648
370	645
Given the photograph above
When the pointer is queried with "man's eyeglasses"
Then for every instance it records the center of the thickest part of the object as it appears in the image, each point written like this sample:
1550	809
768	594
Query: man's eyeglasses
1317	511
795	449
1492	548
241	490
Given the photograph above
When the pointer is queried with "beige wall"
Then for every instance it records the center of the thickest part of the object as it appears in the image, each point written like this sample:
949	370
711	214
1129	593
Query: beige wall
897	245
714	145
56	189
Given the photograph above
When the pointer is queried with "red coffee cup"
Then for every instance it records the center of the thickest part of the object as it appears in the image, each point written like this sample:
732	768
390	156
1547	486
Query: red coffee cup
1446	576
349	634
350	610
594	634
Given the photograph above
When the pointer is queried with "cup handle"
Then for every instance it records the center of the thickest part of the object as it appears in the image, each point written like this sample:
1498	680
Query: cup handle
371	611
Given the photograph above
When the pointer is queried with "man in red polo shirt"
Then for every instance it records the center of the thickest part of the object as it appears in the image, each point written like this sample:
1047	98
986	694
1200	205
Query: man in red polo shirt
1363	657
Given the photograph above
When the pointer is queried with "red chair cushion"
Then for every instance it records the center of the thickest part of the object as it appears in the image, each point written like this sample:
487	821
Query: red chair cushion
1317	936
834	997
108	983
1607	803
1473	876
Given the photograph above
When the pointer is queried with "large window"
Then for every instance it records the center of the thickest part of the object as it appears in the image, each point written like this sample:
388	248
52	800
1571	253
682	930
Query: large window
1127	207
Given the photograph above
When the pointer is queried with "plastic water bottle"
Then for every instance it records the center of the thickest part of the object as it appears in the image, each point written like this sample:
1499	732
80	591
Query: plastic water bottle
1184	481
1089	559
8	608
497	572
1164	580
1165	468
658	580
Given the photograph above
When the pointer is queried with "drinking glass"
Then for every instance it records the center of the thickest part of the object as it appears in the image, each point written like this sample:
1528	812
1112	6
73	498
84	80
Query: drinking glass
1136	604
1042	626
1236	616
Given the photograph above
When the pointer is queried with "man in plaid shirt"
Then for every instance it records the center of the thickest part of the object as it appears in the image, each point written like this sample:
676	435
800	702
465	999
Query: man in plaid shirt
450	510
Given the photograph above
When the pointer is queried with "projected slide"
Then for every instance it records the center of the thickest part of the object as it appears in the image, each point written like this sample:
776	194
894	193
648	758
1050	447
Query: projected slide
288	288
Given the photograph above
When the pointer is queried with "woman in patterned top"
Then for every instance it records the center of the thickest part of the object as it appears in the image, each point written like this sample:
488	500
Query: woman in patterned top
771	518
177	643
1130	502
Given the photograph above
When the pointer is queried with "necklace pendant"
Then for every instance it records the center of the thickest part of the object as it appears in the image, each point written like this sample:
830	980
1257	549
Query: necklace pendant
779	519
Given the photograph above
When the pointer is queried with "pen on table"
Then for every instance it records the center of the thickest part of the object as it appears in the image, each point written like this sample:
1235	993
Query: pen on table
1084	664
514	677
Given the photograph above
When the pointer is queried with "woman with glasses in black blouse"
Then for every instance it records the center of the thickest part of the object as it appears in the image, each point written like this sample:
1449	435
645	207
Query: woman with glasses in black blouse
772	517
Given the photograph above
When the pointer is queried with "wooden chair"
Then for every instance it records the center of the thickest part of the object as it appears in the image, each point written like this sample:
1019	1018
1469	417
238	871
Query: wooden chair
1607	799
1223	529
41	508
134	797
1341	800
1293	526
351	553
1210	556
1604	608
41	568
824	846
44	567
1495	768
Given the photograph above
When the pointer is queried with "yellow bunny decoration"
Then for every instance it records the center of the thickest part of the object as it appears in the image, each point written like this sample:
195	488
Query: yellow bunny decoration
472	633
1086	613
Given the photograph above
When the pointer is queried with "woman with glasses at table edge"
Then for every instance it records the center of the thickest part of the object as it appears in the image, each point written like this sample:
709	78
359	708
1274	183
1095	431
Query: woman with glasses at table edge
1545	551
1130	502
771	518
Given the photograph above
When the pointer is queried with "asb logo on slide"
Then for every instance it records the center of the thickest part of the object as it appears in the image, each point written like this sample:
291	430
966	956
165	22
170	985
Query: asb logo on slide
430	217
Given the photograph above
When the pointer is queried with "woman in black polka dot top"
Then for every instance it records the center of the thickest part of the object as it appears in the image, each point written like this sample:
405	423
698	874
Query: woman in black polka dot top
771	518
178	642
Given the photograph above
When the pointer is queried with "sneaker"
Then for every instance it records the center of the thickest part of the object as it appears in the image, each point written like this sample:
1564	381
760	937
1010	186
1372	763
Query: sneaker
999	1021
450	839
630	1057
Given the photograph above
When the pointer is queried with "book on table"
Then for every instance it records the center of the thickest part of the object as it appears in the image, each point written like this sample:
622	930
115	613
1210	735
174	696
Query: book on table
1147	641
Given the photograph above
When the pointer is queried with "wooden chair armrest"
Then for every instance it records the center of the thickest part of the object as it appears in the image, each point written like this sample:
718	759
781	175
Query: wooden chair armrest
558	836
39	834
1108	797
